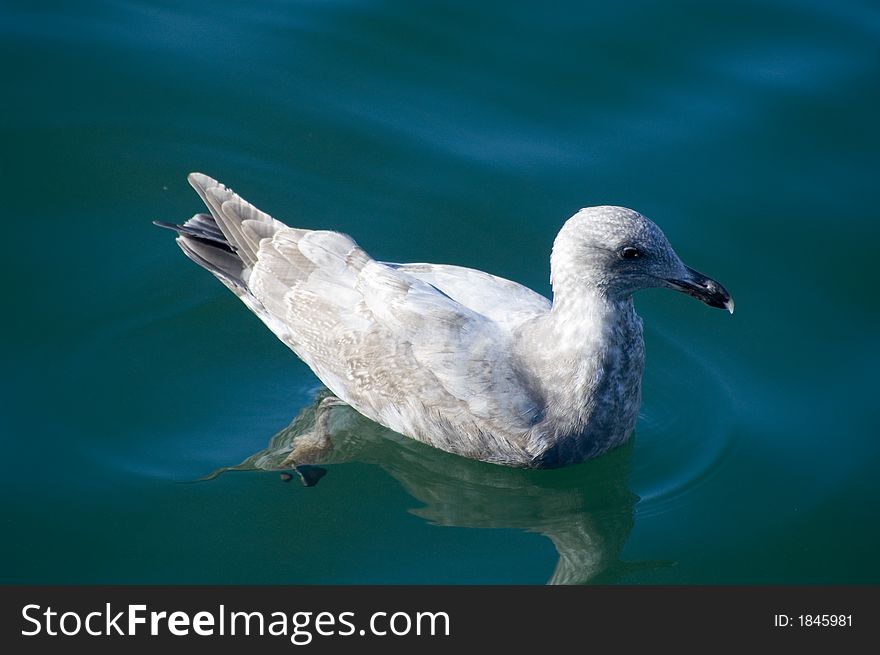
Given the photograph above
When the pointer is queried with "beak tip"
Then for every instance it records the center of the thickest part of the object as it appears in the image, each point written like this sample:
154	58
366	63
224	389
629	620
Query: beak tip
703	288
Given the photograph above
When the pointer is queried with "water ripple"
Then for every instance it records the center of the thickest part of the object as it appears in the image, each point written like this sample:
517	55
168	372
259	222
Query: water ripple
684	432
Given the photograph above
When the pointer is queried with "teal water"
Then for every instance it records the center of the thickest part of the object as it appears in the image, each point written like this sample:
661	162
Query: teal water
450	132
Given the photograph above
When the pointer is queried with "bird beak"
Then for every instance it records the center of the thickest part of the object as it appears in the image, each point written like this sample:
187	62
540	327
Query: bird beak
703	288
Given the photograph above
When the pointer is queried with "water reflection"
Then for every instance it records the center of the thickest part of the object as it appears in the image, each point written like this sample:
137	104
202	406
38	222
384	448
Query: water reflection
585	510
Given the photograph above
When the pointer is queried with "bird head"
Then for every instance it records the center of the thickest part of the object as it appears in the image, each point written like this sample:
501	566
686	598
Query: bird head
618	251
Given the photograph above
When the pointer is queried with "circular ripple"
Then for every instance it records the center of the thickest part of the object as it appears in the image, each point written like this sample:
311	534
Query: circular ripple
683	435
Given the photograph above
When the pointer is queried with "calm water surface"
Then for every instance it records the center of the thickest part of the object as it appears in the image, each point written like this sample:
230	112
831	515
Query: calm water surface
451	132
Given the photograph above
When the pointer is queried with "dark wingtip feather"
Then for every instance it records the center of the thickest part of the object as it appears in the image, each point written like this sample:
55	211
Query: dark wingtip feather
201	228
167	226
220	261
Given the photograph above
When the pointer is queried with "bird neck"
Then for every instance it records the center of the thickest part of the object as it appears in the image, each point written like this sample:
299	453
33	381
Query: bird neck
585	321
588	353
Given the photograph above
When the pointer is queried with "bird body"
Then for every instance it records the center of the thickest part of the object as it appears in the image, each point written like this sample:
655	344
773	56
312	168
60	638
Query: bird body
455	357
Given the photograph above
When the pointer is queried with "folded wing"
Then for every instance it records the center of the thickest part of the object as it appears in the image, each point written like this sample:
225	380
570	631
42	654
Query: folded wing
416	356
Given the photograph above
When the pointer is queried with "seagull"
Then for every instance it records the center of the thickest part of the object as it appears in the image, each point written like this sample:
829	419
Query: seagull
454	357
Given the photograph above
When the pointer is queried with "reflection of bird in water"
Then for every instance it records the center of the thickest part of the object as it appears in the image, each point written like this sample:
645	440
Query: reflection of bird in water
450	356
586	510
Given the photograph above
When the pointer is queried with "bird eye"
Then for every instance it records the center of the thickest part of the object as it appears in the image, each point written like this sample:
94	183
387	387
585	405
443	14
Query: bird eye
630	253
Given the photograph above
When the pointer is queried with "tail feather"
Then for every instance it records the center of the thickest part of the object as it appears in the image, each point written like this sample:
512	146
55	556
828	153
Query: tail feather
226	241
214	194
230	212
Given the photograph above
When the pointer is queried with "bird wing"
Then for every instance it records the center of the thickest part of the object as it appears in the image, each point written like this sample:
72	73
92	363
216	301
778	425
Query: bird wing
377	335
395	346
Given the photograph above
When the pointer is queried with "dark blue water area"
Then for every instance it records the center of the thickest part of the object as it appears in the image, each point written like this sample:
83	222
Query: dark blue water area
444	132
